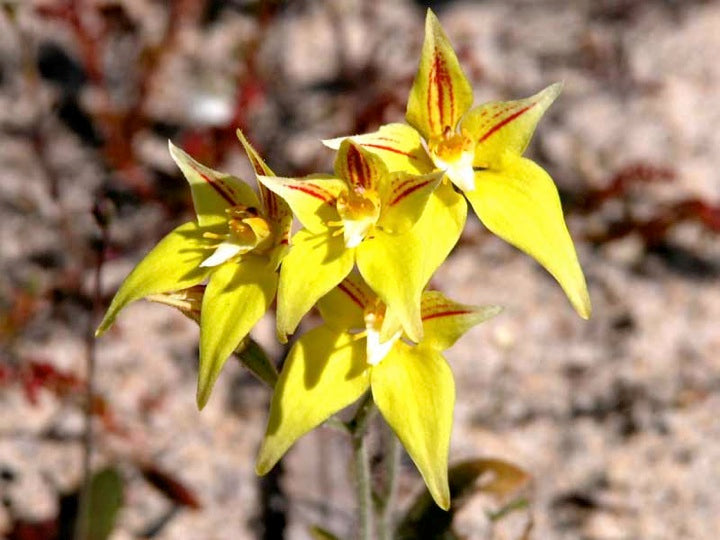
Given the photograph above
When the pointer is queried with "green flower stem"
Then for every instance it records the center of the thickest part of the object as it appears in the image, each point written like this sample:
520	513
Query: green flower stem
358	427
385	500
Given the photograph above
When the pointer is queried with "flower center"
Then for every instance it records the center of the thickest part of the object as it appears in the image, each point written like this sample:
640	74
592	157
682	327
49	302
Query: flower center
247	231
359	211
376	350
453	152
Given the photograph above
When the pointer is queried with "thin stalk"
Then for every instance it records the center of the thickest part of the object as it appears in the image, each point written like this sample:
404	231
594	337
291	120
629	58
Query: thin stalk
102	213
358	428
385	501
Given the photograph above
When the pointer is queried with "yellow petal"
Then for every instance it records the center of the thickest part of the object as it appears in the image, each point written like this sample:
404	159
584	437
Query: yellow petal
312	199
360	168
324	372
441	93
398	267
520	204
445	320
403	199
414	389
315	264
398	145
172	265
505	126
236	298
275	208
343	308
212	191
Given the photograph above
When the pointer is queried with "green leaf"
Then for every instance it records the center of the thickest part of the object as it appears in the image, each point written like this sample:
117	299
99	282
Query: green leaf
315	264
172	265
104	502
318	533
236	298
414	389
212	191
520	203
324	372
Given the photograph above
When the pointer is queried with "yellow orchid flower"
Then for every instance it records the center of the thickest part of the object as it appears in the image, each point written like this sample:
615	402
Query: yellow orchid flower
361	214
331	366
236	244
480	150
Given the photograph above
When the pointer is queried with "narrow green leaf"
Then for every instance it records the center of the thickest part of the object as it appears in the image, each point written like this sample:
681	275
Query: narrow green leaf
104	503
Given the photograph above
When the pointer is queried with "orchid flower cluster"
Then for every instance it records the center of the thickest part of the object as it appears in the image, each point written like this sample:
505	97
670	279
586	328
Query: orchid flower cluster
373	233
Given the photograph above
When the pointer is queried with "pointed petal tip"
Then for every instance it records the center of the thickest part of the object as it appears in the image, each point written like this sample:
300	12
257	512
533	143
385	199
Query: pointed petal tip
444	502
263	464
202	396
551	93
584	309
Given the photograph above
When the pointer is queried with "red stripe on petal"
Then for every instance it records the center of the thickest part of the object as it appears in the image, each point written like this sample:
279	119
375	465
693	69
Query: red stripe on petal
355	295
390	149
219	188
439	79
313	191
506	121
408	191
358	168
446	314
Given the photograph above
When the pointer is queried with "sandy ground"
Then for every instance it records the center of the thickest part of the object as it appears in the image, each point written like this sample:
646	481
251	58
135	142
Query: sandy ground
615	418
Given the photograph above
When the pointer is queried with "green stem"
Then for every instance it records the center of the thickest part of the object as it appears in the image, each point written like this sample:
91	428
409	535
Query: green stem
358	427
385	501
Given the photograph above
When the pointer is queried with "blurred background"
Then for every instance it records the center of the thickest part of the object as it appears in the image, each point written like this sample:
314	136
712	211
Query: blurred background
615	420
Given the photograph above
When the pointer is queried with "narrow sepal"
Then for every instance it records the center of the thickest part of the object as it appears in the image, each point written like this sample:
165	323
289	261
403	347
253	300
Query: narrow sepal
276	209
398	145
441	93
445	321
212	191
171	265
324	372
505	126
255	359
398	267
236	298
404	198
414	389
520	204
311	199
314	265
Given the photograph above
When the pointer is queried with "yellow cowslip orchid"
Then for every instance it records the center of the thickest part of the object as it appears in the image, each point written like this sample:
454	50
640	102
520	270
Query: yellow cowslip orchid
358	215
236	245
480	151
333	365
